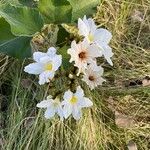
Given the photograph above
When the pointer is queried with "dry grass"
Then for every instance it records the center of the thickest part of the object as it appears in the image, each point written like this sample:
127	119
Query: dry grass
23	126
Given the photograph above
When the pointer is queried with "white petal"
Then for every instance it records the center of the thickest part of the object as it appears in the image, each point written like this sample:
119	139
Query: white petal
85	20
44	104
51	52
74	45
107	52
67	110
79	92
83	29
68	95
57	61
50	112
45	59
100	80
73	51
74	48
49	75
92	67
102	36
85	102
82	67
45	77
92	26
38	55
60	112
85	44
42	79
96	69
76	112
94	51
34	68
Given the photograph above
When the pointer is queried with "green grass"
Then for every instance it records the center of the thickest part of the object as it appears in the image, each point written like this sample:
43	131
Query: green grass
23	126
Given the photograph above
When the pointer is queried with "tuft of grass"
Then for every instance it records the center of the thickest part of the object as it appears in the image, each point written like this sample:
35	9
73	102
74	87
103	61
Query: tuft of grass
23	126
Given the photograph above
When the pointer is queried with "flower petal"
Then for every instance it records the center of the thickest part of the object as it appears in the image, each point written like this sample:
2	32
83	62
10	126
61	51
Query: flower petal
92	26
44	104
68	95
76	113
100	80
92	67
85	44
85	102
51	52
60	112
50	112
45	77
67	110
45	59
94	51
83	29
57	61
34	68
107	52
79	92
38	55
102	36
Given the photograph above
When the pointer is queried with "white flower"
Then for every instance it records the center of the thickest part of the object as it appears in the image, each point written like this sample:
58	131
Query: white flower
82	54
92	76
101	37
74	102
45	66
52	107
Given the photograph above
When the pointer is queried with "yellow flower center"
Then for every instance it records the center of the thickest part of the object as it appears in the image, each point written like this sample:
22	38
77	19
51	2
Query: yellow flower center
73	100
48	67
90	37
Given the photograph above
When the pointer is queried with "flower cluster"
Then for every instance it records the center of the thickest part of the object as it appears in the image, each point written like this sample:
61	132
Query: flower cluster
84	55
72	104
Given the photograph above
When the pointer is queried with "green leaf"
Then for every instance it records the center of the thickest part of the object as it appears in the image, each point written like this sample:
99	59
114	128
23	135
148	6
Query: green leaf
62	36
5	34
13	2
83	7
29	3
65	57
55	11
11	45
24	21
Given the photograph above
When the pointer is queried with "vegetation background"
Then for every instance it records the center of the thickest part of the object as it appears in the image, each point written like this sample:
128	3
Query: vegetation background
118	120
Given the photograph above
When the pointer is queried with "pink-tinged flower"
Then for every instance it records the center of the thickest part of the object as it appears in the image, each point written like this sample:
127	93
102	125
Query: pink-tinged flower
83	54
101	37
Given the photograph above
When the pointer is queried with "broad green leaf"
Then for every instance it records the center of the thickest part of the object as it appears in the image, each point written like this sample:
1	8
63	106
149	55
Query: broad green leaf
55	11
5	34
13	2
24	21
18	47
83	7
29	3
11	45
